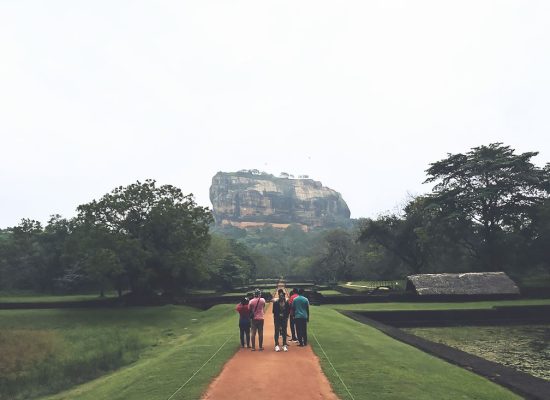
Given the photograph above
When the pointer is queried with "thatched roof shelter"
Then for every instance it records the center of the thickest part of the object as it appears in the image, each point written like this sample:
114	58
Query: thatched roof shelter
473	283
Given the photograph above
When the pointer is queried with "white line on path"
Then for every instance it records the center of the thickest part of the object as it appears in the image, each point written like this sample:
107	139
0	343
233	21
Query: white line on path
336	372
197	371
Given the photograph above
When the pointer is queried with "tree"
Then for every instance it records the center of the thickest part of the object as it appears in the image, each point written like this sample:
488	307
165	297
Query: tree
53	240
491	190
22	255
164	227
335	260
397	235
229	263
103	267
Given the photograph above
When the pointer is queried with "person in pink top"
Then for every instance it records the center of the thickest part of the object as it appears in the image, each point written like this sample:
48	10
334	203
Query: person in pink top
244	322
256	307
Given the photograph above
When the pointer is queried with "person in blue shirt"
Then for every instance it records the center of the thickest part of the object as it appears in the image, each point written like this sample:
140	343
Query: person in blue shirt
300	306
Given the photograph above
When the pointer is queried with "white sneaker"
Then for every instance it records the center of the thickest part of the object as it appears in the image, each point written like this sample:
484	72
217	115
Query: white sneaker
277	348
285	348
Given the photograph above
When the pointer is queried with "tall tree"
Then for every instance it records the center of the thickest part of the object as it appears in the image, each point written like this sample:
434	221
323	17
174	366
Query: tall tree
335	259
23	255
491	189
53	240
172	231
399	236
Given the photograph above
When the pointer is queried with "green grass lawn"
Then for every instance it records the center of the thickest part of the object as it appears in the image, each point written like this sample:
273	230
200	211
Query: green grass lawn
148	353
206	292
41	298
152	351
230	294
536	281
375	366
330	292
437	306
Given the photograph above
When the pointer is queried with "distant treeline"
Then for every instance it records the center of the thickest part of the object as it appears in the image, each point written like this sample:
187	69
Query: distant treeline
139	238
489	209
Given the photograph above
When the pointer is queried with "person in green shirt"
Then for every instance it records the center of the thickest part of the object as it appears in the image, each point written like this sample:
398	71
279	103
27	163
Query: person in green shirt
300	306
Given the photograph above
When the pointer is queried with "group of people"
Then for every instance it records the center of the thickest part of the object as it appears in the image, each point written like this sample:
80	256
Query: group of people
295	309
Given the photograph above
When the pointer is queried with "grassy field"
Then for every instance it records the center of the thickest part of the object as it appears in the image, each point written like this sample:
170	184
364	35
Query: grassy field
437	306
331	292
371	365
6	297
536	281
152	351
231	294
203	292
149	353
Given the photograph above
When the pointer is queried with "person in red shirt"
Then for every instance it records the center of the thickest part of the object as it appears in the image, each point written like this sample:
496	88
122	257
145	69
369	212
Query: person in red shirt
244	322
293	295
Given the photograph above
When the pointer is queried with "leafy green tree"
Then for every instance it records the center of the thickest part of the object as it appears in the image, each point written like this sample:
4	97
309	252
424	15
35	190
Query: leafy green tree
22	254
229	263
52	241
336	258
103	267
530	246
491	190
399	236
5	241
158	222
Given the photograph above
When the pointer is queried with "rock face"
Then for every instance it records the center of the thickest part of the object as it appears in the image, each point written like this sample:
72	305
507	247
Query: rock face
248	199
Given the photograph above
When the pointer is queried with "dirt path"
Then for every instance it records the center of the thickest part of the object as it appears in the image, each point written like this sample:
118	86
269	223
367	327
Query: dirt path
271	375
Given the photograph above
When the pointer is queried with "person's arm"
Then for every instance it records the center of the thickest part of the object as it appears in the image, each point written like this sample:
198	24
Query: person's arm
238	308
307	309
250	306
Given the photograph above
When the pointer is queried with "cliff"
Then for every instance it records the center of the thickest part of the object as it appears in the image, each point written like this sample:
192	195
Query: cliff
248	199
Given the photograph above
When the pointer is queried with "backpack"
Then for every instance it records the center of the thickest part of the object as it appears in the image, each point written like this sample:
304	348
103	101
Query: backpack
252	312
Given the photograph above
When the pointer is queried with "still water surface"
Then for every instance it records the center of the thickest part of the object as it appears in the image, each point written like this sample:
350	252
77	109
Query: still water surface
523	347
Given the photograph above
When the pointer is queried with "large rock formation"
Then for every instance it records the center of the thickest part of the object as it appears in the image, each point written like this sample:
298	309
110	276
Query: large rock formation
251	198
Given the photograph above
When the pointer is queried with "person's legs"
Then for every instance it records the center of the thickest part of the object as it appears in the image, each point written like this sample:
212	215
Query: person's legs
304	332
293	328
254	328
260	333
283	330
300	329
277	328
241	334
247	334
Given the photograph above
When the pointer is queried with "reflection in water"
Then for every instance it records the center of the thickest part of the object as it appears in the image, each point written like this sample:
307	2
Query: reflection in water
525	347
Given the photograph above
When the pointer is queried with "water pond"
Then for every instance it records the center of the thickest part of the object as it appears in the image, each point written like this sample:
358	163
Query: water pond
523	347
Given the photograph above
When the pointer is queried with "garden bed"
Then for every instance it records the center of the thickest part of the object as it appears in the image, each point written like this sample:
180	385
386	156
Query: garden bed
522	383
523	347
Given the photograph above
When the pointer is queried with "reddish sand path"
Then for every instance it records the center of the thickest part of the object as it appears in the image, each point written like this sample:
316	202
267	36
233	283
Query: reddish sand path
271	375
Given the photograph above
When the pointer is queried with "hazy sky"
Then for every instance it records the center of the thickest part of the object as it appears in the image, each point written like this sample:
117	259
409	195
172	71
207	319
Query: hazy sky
361	95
